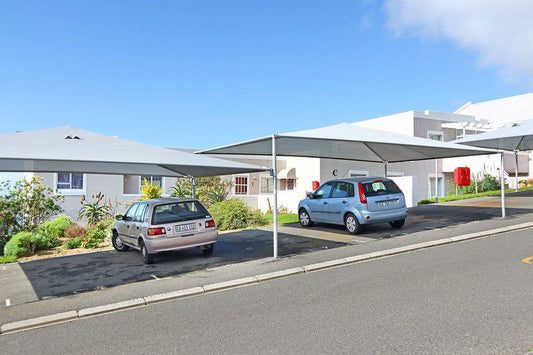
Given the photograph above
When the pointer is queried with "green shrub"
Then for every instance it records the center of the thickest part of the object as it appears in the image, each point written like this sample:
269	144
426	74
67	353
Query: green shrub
7	259
235	214
73	243
56	227
27	243
96	234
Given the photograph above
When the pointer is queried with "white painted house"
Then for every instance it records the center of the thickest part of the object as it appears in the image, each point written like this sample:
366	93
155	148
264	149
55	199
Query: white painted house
296	175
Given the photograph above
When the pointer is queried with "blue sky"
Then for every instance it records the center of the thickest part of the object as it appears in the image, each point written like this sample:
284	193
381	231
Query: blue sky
207	73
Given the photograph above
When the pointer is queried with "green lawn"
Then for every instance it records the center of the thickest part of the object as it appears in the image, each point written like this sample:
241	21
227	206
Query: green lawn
284	218
464	197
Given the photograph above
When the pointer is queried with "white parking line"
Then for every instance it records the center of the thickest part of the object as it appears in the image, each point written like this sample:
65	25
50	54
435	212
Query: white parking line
8	302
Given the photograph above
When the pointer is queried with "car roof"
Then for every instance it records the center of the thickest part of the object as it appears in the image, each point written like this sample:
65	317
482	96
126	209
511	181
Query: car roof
360	179
163	200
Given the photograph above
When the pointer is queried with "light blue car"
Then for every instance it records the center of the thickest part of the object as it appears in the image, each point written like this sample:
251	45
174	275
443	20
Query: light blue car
354	202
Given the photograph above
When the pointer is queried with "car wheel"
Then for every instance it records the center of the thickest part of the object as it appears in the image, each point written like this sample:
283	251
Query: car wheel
208	249
147	258
305	219
117	242
397	224
351	223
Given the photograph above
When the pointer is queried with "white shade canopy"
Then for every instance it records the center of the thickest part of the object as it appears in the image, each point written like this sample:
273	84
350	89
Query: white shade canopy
350	142
69	149
516	137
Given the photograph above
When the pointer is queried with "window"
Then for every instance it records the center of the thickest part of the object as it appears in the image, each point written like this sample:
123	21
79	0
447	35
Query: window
153	180
290	184
342	189
72	182
130	215
267	185
380	188
178	212
139	214
324	191
241	185
287	184
435	135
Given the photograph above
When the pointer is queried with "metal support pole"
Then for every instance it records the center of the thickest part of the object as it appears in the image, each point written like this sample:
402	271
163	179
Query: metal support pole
516	169
502	177
436	180
385	165
193	181
275	190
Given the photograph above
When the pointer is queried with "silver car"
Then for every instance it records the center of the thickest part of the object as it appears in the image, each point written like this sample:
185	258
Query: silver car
354	202
165	224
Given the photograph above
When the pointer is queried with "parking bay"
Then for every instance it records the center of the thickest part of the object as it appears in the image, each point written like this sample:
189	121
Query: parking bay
58	277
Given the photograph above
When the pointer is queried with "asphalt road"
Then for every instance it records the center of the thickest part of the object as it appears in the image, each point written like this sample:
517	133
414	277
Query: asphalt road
470	297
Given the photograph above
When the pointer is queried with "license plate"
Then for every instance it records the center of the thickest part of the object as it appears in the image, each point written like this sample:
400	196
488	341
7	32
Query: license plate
185	227
386	203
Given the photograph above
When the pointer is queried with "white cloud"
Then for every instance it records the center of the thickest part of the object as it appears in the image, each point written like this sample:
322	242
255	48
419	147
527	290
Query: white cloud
500	32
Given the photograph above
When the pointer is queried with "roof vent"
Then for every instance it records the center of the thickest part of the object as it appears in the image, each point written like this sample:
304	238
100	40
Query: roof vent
73	137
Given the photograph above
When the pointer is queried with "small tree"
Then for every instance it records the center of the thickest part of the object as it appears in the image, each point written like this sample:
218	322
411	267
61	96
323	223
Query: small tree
25	205
182	188
150	191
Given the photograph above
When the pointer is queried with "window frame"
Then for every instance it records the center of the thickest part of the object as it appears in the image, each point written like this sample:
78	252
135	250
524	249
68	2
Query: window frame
247	176
261	186
70	192
162	187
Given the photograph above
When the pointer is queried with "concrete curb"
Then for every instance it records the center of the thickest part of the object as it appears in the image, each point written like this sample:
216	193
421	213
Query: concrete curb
139	302
38	322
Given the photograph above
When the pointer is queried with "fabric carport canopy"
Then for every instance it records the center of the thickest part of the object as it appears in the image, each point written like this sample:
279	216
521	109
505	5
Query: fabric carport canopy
350	142
69	149
347	142
514	138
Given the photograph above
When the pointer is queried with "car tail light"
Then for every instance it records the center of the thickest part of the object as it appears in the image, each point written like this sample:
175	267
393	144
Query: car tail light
362	195
210	224
156	231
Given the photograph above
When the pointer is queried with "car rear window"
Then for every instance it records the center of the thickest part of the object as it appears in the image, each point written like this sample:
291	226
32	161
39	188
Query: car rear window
379	187
178	211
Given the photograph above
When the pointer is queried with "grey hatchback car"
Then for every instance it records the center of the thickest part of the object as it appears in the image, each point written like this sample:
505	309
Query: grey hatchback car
354	202
165	224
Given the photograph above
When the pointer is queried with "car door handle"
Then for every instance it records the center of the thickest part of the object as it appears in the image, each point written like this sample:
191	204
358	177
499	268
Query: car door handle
325	202
344	202
127	226
137	227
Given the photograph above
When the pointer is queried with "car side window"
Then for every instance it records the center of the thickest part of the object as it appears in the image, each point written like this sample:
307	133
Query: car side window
324	191
139	214
130	215
342	190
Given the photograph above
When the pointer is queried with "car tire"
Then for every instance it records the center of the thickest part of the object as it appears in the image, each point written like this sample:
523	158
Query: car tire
147	258
305	219
117	243
208	250
397	224
352	224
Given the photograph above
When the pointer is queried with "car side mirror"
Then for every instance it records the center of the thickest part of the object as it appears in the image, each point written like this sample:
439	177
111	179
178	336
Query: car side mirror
119	217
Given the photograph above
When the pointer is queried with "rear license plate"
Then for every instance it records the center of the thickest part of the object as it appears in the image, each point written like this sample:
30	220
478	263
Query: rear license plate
185	227
387	203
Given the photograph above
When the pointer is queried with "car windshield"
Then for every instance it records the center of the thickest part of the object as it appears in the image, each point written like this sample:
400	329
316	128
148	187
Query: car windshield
178	211
380	187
